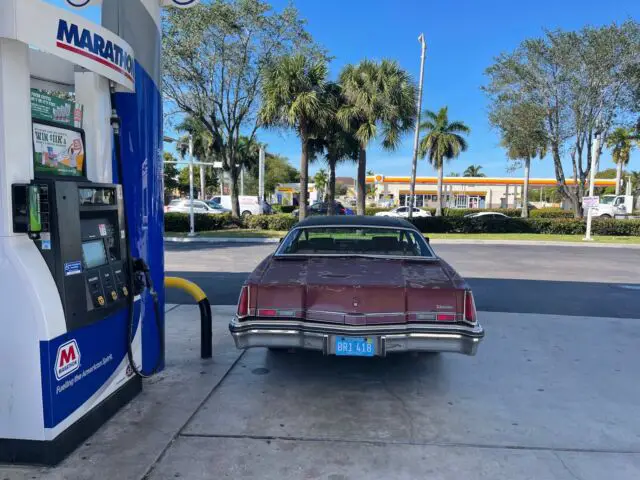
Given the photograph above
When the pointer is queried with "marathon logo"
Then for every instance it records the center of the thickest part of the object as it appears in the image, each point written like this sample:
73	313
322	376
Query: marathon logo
94	46
67	359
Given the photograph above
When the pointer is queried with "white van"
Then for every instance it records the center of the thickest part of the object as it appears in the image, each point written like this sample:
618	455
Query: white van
248	204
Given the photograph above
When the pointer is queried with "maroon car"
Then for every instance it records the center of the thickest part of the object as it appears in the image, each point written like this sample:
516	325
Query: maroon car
351	285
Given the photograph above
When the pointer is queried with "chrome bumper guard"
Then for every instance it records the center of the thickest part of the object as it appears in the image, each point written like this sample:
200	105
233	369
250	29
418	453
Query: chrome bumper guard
387	338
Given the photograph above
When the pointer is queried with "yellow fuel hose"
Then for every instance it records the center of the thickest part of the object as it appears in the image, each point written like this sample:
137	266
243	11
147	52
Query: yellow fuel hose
185	285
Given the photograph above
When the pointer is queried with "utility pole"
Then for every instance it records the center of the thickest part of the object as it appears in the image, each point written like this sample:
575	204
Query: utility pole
192	228
416	138
242	181
202	183
595	153
261	180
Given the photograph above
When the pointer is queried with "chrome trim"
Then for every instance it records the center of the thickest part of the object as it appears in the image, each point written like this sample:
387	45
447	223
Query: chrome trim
387	338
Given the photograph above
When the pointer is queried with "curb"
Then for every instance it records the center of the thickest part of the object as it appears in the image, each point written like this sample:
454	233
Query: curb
254	240
548	243
221	239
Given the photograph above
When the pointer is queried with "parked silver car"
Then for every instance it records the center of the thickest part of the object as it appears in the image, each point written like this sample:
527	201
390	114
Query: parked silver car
199	206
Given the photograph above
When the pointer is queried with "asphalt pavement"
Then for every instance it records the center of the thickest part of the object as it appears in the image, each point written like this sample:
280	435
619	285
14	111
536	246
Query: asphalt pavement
575	281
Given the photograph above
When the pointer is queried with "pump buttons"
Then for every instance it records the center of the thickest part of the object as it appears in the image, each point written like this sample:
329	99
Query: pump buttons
114	295
101	301
125	291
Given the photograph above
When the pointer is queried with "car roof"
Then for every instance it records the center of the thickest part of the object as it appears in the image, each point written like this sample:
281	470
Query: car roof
354	221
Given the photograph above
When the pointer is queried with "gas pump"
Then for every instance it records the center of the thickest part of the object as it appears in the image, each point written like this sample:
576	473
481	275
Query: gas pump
75	305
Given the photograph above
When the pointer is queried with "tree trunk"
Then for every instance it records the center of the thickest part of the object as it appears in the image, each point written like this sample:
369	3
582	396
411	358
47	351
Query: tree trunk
235	204
525	192
304	178
361	194
440	175
618	177
331	188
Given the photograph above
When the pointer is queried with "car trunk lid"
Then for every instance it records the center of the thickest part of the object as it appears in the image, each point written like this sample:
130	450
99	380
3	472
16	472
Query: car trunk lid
358	290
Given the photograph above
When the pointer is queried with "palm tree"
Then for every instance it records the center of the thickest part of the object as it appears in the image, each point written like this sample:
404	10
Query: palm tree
443	141
380	101
320	179
473	171
293	97
333	142
621	142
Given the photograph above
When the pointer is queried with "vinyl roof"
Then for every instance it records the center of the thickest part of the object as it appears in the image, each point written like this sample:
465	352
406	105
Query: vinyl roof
355	221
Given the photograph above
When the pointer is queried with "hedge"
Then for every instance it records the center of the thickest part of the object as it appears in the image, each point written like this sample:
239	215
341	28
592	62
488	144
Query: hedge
283	208
281	221
558	226
550	213
179	222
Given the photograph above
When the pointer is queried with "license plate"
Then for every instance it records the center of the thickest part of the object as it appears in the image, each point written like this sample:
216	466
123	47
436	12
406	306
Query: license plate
355	346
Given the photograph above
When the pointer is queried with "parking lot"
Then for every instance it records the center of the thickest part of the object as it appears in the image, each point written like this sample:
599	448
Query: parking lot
552	393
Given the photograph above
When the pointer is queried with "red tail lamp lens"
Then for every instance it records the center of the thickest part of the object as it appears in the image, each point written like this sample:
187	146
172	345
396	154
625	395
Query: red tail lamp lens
446	317
243	302
267	312
469	308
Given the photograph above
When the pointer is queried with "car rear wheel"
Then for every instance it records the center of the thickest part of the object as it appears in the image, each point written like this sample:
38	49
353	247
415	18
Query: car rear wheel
246	213
605	216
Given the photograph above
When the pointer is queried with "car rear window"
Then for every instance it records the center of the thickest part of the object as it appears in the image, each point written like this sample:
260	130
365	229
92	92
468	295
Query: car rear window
361	241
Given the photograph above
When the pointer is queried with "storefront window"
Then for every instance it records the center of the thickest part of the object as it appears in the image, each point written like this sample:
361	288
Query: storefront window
403	199
419	200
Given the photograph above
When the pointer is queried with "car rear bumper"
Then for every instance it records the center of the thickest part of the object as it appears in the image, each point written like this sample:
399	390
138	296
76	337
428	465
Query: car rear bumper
386	338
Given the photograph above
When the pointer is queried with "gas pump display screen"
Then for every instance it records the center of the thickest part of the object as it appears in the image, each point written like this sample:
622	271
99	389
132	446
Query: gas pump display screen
94	254
58	151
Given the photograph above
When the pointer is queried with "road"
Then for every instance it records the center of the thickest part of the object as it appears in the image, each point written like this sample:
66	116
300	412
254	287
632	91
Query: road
596	282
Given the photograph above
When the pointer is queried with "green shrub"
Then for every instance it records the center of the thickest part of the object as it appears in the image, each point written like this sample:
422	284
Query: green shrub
282	221
550	213
374	210
179	222
283	208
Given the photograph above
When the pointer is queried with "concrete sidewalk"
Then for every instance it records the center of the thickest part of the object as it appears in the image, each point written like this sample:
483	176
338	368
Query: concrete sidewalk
130	444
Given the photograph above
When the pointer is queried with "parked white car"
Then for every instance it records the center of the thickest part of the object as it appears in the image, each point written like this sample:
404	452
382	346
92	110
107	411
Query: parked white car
248	204
182	205
403	212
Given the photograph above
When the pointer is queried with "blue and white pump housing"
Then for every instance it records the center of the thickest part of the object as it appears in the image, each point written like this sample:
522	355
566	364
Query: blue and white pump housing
50	48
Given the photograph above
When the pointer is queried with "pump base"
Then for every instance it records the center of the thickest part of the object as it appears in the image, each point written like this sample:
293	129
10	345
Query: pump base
50	453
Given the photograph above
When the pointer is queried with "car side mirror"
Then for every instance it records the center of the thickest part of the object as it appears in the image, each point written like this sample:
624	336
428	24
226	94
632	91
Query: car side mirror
427	239
281	239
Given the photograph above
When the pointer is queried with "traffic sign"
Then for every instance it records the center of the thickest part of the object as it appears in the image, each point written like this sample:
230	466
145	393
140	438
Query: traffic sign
590	202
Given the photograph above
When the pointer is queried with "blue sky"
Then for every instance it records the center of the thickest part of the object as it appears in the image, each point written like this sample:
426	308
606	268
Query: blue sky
462	39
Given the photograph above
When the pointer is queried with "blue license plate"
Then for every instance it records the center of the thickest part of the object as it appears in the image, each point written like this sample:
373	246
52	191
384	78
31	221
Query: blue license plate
355	346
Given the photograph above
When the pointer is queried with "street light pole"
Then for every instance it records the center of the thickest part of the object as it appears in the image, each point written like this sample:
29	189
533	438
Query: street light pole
416	138
192	231
595	153
261	158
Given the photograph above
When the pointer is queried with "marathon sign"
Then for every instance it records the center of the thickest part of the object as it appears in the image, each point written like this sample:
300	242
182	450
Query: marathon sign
70	37
92	45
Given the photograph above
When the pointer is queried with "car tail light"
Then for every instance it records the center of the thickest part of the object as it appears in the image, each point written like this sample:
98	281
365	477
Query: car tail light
469	307
267	312
243	302
446	317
